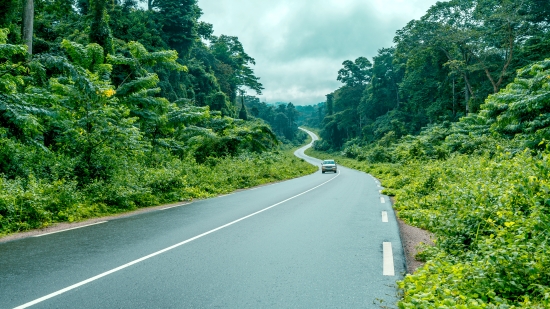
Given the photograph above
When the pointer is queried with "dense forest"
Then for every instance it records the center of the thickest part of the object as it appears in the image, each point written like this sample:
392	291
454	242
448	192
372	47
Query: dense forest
284	118
455	121
106	106
442	67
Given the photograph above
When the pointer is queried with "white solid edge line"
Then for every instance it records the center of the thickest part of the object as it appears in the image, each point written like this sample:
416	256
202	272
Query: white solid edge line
176	206
81	283
72	228
384	216
382	200
225	195
388	269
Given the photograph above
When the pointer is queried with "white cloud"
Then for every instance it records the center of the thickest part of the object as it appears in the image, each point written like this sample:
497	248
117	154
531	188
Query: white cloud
299	45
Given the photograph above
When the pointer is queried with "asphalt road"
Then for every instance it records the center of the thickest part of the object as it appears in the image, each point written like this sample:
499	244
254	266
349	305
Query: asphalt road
317	241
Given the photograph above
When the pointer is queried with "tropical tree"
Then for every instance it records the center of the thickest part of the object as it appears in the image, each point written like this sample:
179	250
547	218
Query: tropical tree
355	73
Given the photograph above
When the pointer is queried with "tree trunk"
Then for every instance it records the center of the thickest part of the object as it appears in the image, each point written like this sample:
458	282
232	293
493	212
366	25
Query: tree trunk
454	98
396	94
28	22
467	98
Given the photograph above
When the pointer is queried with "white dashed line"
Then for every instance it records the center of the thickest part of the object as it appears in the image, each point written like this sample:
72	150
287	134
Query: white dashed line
384	216
382	200
73	228
388	269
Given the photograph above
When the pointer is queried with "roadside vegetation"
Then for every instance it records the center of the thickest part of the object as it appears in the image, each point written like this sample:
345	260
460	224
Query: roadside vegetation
106	107
481	185
454	119
37	201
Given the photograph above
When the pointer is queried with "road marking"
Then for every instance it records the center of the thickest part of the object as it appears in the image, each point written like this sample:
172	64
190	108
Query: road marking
72	228
176	206
81	283
382	200
384	216
388	269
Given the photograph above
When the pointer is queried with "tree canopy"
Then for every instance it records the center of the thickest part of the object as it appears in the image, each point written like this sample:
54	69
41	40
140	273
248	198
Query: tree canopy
442	67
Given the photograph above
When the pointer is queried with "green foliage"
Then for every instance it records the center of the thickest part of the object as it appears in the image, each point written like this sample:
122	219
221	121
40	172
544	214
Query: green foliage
524	106
179	23
85	134
243	114
484	195
18	114
481	186
100	32
234	60
33	203
442	67
492	224
7	12
355	73
282	117
490	215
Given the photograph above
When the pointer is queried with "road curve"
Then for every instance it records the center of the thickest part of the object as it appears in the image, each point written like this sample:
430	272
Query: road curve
318	241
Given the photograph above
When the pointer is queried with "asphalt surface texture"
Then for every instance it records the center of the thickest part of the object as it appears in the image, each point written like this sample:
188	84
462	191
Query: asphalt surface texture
311	242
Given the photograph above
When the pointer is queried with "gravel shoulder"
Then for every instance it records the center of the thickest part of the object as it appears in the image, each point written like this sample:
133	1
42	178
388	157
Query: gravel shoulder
411	238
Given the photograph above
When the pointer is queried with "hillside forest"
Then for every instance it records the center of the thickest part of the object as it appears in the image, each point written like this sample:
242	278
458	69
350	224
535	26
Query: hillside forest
107	106
454	118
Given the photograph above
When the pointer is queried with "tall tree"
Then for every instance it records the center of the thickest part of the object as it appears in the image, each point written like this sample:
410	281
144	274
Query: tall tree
233	66
383	92
179	19
243	113
9	10
27	28
100	32
355	73
330	104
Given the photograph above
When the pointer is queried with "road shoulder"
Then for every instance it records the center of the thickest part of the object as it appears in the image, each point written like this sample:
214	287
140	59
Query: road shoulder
412	237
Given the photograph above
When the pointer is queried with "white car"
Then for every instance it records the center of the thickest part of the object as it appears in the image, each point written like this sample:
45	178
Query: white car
328	166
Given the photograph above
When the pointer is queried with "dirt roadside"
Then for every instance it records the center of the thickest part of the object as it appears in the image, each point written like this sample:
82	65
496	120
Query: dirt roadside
411	238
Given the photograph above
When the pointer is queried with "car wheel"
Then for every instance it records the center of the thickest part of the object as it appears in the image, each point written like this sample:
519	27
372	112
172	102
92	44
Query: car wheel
323	172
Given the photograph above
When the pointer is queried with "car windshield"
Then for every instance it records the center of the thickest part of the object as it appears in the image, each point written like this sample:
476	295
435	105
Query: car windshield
328	162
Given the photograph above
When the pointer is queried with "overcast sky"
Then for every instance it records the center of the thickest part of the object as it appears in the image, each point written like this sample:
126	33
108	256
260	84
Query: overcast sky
299	45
